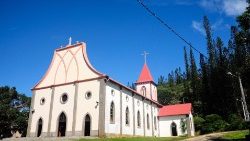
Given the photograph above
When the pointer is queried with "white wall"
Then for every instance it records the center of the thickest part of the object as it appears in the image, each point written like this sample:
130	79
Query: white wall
139	131
41	111
165	125
87	106
127	129
67	107
113	128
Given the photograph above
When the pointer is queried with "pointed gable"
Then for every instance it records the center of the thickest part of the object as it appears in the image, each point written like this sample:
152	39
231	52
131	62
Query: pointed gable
69	64
145	75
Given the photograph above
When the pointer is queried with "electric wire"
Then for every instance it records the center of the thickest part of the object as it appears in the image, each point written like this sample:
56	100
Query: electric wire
170	28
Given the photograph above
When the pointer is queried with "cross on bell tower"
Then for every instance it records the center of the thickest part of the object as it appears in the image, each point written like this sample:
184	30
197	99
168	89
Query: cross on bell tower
145	56
145	84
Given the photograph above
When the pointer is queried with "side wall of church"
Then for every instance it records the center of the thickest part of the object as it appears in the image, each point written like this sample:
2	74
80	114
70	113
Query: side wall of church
148	118
127	102
138	105
113	94
124	99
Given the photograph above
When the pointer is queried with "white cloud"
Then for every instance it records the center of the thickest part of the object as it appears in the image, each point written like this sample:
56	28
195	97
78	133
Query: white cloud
217	24
198	27
234	7
228	7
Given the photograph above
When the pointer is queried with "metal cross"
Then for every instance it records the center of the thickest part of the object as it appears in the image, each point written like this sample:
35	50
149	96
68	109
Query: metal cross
70	40
145	56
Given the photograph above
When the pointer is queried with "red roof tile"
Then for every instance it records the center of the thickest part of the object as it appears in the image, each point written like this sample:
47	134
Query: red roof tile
178	109
145	75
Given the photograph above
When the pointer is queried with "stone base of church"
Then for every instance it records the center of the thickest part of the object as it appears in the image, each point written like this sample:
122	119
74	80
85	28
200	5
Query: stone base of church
93	133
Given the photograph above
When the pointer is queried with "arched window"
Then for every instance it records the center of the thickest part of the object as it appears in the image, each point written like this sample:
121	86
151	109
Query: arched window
143	90
127	116
138	119
112	112
155	123
148	121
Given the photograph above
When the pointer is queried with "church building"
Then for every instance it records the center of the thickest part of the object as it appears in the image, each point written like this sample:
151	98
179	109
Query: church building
74	99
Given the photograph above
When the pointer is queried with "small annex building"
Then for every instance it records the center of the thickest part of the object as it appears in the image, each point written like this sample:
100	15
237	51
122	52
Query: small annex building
74	99
176	120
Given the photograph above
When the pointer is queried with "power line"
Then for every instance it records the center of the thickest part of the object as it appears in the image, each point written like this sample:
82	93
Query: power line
170	28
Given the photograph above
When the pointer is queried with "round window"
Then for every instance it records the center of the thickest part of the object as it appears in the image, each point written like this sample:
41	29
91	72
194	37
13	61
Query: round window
88	95
112	92
127	98
64	98
42	101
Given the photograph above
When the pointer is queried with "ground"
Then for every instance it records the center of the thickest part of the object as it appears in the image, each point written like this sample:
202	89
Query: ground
221	136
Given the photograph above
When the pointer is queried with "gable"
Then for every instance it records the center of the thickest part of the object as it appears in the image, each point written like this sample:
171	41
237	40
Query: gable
69	64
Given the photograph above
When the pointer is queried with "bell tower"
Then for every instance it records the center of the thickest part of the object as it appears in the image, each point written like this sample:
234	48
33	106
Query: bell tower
145	84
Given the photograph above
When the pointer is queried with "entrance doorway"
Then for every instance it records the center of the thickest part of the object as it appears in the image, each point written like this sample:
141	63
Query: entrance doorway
39	127
87	125
61	125
174	129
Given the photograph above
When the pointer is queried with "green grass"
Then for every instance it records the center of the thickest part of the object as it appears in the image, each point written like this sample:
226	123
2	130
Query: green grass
137	139
235	135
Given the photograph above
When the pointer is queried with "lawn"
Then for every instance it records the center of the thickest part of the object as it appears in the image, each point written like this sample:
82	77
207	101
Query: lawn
235	135
137	139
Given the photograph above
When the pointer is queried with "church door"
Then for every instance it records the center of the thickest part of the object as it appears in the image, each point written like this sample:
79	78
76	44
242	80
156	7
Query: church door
87	125
40	127
174	129
61	125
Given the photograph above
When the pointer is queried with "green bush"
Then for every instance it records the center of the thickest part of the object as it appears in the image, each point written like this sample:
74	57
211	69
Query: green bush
235	122
198	123
213	123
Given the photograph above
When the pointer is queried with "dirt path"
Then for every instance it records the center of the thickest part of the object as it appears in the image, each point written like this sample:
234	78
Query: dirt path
208	137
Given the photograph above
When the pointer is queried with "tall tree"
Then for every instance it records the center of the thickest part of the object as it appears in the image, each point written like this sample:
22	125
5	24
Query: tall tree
186	64
14	110
210	46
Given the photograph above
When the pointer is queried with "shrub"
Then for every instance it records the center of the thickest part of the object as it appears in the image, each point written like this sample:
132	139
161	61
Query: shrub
213	123
198	123
235	122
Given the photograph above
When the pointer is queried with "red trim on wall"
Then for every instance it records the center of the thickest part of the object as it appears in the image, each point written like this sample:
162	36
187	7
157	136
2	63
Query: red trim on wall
68	83
73	57
135	92
69	46
87	61
59	65
47	72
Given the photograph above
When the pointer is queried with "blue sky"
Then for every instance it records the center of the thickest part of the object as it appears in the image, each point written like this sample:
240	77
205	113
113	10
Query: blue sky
116	33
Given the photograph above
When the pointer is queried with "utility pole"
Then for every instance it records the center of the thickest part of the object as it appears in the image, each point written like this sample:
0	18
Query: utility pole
243	99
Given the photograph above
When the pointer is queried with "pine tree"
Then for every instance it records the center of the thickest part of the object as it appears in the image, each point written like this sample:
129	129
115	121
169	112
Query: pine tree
186	64
205	92
210	45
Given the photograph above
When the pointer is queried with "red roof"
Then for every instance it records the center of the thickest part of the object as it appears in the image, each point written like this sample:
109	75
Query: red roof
178	109
145	75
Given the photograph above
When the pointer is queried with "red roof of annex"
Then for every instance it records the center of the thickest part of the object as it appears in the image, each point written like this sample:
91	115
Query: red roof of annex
178	109
145	75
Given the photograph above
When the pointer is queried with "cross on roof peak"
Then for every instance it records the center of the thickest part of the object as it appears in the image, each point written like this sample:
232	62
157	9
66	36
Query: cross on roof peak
145	56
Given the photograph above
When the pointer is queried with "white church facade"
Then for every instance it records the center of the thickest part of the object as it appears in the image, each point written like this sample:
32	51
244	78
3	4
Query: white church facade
74	99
